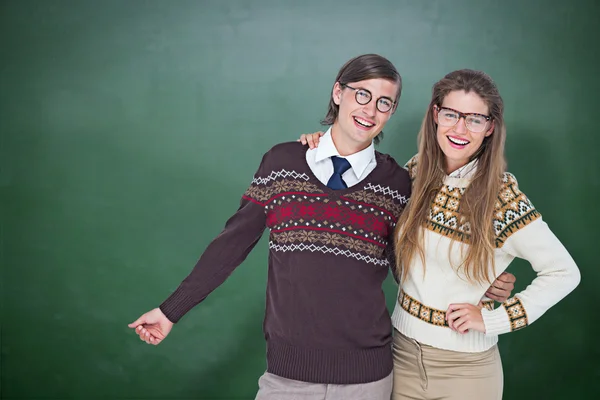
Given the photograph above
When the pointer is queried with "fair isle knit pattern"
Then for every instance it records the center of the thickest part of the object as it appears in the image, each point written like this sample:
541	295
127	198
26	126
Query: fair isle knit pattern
513	211
427	314
326	319
302	217
516	313
520	231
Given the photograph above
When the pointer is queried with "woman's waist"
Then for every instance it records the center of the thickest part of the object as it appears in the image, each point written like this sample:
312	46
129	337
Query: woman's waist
429	326
432	307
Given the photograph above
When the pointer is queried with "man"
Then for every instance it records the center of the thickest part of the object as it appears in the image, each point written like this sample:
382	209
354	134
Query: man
331	213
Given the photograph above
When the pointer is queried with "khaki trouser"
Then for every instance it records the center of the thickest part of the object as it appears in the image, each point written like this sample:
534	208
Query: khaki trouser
423	372
273	387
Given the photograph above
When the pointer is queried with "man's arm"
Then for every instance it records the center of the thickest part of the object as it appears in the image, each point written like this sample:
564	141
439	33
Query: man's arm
502	287
390	255
227	251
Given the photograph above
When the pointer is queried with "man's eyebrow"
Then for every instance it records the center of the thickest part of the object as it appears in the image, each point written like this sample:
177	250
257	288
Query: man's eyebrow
370	91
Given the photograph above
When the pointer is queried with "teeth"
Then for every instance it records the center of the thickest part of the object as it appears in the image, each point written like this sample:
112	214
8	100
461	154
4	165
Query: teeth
363	122
458	141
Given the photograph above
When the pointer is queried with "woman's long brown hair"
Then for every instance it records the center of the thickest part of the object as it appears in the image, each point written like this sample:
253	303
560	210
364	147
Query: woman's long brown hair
480	197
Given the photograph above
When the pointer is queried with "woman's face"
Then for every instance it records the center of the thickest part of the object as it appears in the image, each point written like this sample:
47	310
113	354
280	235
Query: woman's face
459	142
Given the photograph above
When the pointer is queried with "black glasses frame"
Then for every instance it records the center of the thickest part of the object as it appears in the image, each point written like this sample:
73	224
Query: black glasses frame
357	90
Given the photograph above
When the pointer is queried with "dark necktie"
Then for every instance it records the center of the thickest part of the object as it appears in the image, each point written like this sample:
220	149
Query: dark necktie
340	165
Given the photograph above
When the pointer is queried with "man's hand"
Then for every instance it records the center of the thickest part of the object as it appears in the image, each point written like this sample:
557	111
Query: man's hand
152	327
311	138
463	317
502	287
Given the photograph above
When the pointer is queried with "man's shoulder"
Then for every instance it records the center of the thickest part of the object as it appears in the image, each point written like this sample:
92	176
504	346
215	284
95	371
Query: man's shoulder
286	155
390	180
391	166
287	149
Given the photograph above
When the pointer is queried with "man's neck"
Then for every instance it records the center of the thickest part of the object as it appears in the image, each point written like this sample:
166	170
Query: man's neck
345	149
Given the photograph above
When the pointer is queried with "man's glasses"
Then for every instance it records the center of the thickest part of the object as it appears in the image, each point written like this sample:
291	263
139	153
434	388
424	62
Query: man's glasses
363	97
476	123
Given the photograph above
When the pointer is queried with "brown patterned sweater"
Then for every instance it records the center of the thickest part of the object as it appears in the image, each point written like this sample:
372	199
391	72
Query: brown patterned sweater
326	319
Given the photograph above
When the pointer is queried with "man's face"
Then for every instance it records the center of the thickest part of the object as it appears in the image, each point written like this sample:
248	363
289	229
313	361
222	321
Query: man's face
357	124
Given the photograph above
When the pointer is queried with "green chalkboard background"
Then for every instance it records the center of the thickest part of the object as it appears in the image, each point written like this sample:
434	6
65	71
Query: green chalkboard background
119	123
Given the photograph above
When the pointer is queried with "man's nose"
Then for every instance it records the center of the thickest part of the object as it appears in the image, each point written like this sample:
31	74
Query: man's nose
370	108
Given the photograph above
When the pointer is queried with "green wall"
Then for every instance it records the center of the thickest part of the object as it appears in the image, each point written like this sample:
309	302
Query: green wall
129	129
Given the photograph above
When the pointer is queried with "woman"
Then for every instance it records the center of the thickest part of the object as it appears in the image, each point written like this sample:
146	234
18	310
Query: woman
464	224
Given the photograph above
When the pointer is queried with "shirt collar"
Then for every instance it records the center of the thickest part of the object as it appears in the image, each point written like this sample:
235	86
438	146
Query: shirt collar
358	161
466	171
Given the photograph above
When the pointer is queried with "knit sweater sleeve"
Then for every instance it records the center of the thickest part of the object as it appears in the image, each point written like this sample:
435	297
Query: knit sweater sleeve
523	234
390	255
228	250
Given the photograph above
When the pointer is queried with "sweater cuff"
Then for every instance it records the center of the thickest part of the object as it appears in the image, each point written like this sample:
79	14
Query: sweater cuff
496	322
177	305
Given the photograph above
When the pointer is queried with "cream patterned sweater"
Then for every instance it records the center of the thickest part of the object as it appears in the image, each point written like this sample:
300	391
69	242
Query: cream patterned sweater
520	232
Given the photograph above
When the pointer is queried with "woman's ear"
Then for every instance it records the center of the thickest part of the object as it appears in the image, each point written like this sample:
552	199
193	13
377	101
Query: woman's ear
491	130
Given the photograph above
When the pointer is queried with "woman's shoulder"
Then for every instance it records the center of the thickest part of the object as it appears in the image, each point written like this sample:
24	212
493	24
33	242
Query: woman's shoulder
509	191
514	210
509	187
509	178
411	166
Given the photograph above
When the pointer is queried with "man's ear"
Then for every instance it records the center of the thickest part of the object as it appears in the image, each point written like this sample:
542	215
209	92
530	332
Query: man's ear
336	93
491	130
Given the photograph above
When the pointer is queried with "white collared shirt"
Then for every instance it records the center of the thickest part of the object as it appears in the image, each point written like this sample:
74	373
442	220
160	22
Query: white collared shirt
319	161
466	171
